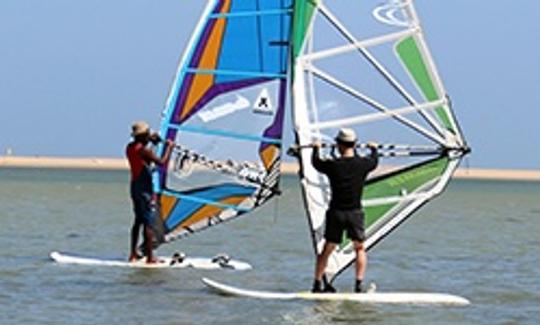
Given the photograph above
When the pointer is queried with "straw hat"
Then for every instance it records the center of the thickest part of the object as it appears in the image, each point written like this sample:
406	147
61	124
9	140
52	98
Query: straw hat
346	135
139	128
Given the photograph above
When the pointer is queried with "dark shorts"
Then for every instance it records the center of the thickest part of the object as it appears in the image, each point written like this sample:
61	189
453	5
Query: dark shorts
338	221
144	209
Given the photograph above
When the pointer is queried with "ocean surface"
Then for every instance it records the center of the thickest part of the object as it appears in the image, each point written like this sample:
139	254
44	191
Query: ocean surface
480	240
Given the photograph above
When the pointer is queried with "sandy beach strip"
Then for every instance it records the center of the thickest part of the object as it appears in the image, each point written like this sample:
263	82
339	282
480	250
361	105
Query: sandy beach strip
498	174
97	163
92	163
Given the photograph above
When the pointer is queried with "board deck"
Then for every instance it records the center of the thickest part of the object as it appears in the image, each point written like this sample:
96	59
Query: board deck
364	298
167	262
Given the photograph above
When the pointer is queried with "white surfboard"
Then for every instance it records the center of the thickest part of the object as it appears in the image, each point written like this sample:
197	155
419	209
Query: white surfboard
214	263
364	298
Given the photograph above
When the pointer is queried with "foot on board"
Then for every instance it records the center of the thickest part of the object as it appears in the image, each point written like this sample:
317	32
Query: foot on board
318	287
358	288
328	288
154	260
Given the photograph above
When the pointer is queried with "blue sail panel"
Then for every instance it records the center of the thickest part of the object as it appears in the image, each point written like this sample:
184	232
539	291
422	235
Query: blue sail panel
225	113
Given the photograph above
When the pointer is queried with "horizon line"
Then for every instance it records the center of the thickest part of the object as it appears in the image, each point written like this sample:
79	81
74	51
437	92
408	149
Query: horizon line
97	163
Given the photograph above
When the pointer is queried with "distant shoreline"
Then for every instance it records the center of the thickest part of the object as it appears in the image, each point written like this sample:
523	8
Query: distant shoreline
97	163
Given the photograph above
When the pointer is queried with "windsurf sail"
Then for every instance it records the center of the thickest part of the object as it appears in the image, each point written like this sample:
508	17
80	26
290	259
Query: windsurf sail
225	114
368	67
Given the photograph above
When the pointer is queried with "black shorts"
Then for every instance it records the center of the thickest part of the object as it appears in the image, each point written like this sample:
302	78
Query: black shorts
338	221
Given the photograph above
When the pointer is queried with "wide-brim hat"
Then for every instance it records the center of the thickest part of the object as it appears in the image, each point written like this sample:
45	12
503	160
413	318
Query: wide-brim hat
346	135
139	128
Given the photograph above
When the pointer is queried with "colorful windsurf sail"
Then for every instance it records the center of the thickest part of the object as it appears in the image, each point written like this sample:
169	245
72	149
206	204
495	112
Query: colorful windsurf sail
225	114
368	68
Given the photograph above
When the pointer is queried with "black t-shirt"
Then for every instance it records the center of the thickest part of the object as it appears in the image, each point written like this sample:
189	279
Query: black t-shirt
346	176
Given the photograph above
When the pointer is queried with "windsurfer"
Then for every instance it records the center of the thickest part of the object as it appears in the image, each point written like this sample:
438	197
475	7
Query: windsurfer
346	175
140	159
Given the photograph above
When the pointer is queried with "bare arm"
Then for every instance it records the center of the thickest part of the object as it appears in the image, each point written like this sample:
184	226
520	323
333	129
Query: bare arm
149	155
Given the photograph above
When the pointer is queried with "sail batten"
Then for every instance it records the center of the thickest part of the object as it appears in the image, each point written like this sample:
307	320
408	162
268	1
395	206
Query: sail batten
225	133
366	43
243	73
251	13
198	199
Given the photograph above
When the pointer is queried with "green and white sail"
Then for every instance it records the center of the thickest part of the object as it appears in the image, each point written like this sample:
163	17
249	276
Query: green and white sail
369	68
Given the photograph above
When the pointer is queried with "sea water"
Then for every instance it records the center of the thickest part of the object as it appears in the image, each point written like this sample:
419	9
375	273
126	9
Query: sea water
479	240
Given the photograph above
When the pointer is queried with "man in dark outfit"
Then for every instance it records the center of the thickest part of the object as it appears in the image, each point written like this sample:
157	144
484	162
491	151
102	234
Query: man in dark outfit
346	175
140	161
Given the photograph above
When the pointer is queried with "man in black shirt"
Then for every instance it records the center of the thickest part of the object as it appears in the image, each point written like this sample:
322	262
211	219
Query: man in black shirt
346	175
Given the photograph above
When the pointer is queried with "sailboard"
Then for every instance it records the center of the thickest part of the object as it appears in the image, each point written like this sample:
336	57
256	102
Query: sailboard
414	298
214	263
369	68
225	114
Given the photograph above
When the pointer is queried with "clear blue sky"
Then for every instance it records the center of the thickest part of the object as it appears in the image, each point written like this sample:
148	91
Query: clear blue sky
75	74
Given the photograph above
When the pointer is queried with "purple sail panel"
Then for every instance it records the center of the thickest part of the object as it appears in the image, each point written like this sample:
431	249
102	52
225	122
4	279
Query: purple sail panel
194	63
275	131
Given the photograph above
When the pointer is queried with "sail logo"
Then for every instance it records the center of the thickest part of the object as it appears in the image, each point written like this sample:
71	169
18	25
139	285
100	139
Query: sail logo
225	109
263	104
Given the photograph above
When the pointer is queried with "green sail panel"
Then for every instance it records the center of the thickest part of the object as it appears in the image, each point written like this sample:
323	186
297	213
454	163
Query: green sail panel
409	180
303	14
410	55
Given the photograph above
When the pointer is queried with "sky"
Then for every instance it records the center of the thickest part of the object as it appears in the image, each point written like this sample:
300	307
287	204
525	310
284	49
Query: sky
74	75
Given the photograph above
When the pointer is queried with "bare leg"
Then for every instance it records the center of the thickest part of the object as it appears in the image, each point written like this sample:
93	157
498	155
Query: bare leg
361	260
133	256
322	260
148	242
